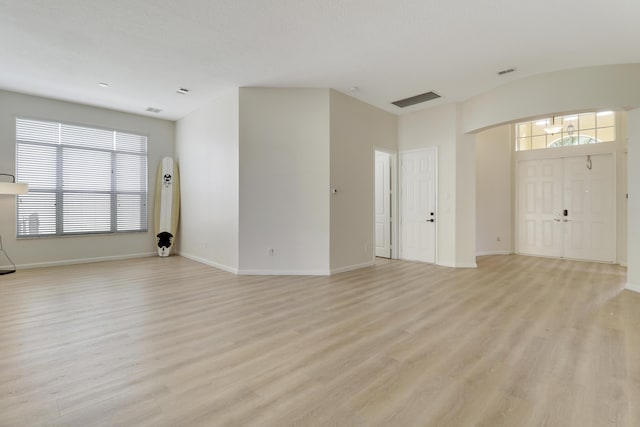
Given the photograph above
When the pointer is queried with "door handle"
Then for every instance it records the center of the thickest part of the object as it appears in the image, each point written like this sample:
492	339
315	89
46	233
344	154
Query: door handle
566	220
556	219
431	220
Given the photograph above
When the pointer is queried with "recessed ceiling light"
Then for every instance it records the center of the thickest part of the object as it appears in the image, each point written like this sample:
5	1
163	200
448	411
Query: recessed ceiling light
102	84
182	91
507	71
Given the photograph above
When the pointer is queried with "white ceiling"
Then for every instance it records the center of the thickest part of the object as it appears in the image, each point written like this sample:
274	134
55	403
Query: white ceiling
389	49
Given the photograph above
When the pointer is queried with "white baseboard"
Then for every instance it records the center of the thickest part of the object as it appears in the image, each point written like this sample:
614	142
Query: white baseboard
485	253
446	264
353	267
470	265
86	260
262	272
633	287
209	263
284	272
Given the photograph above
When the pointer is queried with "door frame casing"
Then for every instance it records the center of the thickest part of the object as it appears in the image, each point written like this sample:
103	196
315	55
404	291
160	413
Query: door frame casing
395	213
435	234
562	153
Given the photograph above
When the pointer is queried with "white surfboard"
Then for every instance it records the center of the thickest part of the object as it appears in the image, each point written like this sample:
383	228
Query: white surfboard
167	205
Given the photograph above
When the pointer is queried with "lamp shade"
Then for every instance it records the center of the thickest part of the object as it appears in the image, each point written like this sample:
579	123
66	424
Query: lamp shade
14	188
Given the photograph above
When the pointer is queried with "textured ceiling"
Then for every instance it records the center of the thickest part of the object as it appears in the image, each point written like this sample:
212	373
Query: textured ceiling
389	49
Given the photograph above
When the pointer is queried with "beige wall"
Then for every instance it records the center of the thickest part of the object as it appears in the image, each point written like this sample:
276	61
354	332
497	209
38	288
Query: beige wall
436	127
622	185
633	255
60	250
609	87
465	254
207	148
284	181
493	191
356	130
287	148
441	127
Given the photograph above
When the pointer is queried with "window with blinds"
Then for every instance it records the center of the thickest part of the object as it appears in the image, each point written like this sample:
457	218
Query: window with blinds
82	180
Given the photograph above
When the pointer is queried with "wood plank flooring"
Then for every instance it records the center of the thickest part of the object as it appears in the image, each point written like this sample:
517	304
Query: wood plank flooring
519	341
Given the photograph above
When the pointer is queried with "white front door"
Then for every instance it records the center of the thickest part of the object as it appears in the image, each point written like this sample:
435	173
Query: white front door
589	198
383	204
540	206
567	207
418	205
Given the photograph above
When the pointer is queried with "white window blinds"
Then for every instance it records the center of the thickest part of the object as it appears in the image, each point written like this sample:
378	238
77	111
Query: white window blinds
81	180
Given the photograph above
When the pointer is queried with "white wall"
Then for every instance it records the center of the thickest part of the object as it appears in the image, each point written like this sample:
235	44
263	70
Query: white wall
207	149
284	181
356	128
614	87
609	87
60	250
494	190
436	127
465	210
622	186
633	245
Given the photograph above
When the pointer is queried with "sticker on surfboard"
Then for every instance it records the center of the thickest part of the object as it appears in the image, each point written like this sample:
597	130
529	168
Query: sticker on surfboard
167	206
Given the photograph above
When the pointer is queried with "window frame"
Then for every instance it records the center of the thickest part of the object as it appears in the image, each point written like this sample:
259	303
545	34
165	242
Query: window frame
59	191
563	134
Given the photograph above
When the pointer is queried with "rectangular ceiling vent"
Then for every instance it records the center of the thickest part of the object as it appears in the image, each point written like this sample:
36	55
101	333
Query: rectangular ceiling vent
507	71
423	97
153	110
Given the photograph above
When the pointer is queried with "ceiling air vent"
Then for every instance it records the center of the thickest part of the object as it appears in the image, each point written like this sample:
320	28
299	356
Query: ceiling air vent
423	97
153	110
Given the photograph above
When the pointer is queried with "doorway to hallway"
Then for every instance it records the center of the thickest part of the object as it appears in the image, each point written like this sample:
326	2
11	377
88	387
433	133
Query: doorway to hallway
383	204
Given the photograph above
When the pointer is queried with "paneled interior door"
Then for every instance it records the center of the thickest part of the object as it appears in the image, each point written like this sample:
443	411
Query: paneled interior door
383	204
418	205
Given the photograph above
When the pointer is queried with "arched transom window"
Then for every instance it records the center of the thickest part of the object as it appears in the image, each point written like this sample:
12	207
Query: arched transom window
563	131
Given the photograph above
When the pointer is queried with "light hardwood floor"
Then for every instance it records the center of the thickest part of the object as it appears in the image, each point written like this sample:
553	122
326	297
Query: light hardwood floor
518	341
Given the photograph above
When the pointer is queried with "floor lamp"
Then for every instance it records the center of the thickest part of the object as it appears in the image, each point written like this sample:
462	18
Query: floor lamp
11	188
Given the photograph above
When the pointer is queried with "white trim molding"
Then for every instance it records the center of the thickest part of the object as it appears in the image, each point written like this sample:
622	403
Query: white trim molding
284	272
633	287
86	260
485	253
353	267
209	263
